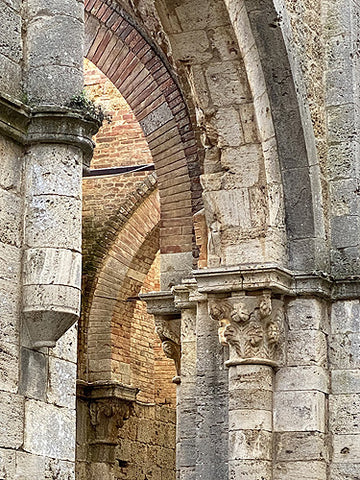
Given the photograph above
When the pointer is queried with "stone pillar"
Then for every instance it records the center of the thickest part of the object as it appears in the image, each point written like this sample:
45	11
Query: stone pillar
185	299
58	139
252	326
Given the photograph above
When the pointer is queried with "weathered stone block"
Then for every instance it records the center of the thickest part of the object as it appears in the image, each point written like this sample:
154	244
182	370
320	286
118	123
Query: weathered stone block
345	381
228	125
307	347
250	445
53	8
344	471
308	314
344	412
11	420
56	439
7	463
227	85
344	351
302	378
10	29
250	469
29	466
200	16
62	383
10	218
34	374
59	470
192	47
345	317
300	470
66	346
250	420
11	158
299	411
245	161
346	449
300	446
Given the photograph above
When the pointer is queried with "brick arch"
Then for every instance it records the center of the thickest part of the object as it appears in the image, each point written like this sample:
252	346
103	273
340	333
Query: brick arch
138	223
134	66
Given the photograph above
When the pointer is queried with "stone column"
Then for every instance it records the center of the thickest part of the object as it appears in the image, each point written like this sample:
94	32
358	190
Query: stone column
58	139
252	326
185	299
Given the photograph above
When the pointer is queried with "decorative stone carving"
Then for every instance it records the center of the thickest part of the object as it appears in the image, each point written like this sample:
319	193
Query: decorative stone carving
171	342
251	326
107	416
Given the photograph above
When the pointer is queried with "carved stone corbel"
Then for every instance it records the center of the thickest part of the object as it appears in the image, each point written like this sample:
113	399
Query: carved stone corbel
107	416
167	325
251	325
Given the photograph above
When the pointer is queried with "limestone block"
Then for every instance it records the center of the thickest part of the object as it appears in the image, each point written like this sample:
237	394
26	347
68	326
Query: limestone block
156	119
29	466
54	170
308	314
70	8
300	446
11	159
9	306
54	84
57	298
10	218
10	77
306	347
344	351
11	420
66	346
62	383
7	464
346	449
53	266
344	413
300	471
222	39
263	112
59	470
254	250
341	122
245	161
345	231
249	123
10	29
10	264
56	439
51	41
345	316
203	15
34	374
250	420
246	399
174	267
192	47
248	377
302	378
227	84
53	221
9	365
229	128
250	469
250	445
346	471
345	381
299	411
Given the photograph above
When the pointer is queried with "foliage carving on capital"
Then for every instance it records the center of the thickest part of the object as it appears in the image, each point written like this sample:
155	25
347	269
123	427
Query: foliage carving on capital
251	326
107	416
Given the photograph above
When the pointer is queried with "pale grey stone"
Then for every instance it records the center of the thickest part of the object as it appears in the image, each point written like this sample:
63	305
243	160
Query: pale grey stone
250	420
345	381
192	47
300	446
345	316
10	218
34	374
62	383
302	378
307	313
11	160
59	470
156	119
56	439
199	16
306	347
250	445
346	449
227	84
299	411
10	264
66	346
300	471
7	464
229	129
9	365
344	414
70	8
53	221
344	351
29	467
344	471
11	420
10	29
250	469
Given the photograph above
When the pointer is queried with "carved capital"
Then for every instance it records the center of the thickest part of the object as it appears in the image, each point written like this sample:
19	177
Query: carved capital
252	327
106	417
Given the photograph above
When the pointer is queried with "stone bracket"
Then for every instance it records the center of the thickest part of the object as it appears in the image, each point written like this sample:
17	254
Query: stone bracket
167	325
48	124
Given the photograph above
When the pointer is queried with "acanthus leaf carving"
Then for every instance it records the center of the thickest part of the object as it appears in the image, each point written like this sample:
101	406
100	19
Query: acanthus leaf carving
251	326
170	339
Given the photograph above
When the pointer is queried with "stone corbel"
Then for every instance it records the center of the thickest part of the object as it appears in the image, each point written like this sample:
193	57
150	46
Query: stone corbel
167	325
251	325
110	404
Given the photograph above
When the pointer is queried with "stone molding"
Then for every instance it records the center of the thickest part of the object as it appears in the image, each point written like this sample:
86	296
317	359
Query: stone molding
251	325
110	404
48	124
167	325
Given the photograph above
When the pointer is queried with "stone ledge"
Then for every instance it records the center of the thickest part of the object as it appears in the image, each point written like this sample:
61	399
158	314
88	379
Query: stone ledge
48	124
103	389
